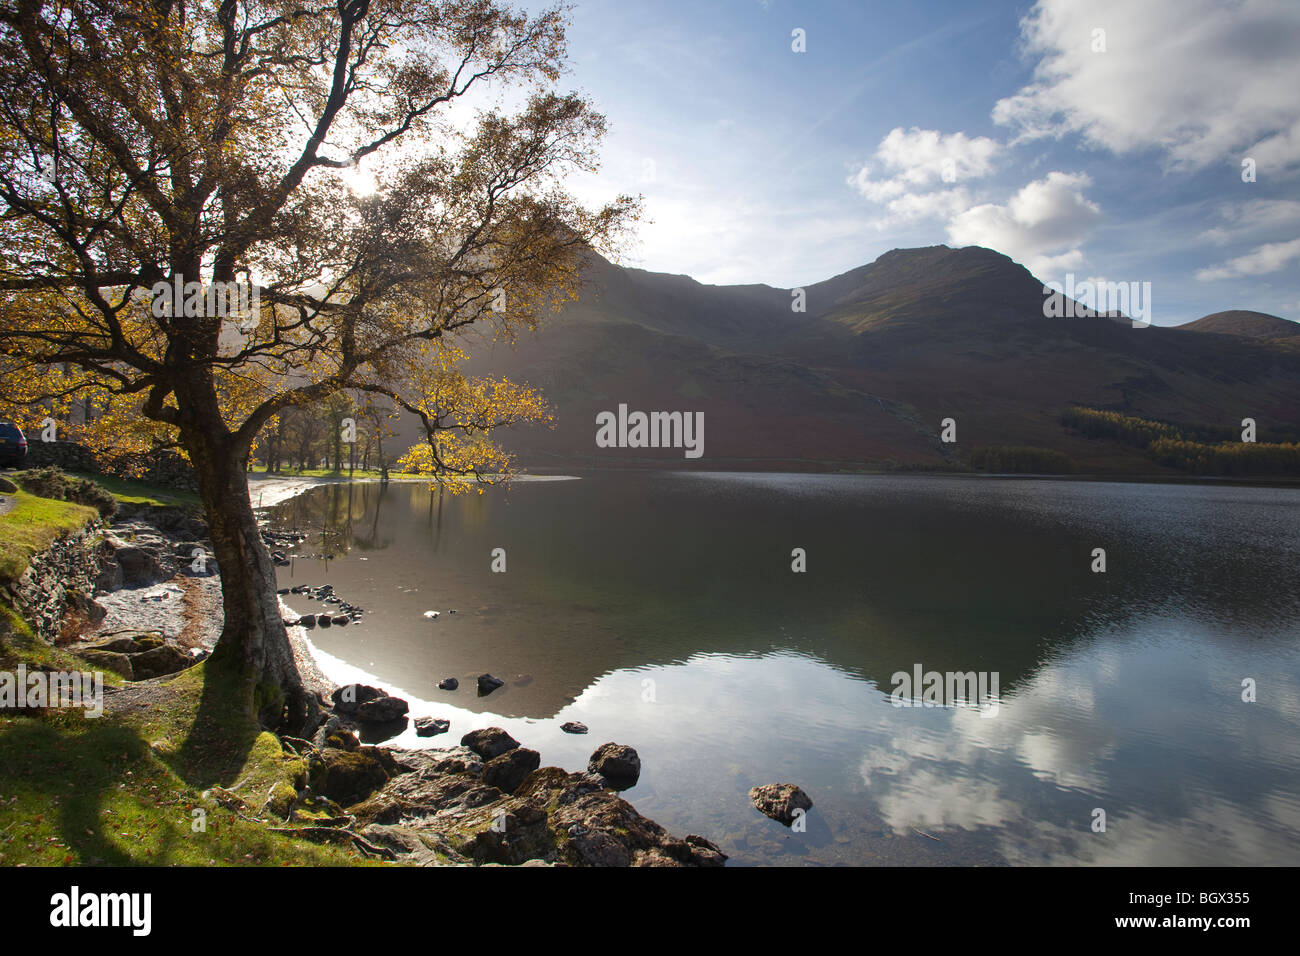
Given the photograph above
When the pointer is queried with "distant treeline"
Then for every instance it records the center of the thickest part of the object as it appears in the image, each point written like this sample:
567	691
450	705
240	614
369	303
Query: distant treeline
1196	448
1238	458
1020	459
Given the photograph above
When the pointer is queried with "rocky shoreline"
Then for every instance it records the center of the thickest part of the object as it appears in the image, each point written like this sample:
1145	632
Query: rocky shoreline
156	610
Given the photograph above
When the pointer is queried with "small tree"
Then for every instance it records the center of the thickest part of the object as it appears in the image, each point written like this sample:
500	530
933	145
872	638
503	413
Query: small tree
160	158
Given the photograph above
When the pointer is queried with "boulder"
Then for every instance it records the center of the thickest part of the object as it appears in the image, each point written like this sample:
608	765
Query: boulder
487	684
110	661
780	801
574	727
308	621
351	696
352	775
618	764
381	710
159	661
508	771
116	644
448	683
431	726
489	742
140	566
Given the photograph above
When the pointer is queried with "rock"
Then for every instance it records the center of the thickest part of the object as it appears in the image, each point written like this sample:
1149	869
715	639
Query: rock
309	621
780	801
618	764
431	726
489	742
341	621
282	591
352	775
323	620
508	771
124	644
333	734
487	684
109	660
704	852
159	661
574	727
139	566
448	683
598	848
442	801
351	696
381	710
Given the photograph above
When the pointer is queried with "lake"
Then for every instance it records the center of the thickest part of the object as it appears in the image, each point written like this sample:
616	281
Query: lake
661	609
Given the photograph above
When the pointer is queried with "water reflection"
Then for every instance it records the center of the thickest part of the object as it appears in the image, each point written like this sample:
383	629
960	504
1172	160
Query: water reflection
661	611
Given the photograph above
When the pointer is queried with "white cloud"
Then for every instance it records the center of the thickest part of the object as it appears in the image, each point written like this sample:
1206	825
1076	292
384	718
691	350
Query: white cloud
1264	259
923	157
1202	80
1042	225
944	203
1255	220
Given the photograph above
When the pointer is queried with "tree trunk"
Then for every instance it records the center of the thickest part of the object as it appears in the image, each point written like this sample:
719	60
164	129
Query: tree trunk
253	644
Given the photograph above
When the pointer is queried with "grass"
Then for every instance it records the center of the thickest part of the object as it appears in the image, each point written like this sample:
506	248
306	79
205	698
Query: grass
172	781
131	492
32	525
143	791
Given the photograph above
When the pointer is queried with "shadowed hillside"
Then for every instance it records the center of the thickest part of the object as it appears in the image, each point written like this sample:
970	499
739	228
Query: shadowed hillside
883	352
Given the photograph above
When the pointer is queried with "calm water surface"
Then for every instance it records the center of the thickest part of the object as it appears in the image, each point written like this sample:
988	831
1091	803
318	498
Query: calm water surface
661	610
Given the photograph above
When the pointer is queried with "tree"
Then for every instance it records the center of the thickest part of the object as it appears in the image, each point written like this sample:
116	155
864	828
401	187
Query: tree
159	159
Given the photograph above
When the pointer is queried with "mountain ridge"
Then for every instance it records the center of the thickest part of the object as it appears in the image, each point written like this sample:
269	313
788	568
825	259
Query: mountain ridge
882	353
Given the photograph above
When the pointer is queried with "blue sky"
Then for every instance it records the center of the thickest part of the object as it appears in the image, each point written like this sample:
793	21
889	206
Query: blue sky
1018	126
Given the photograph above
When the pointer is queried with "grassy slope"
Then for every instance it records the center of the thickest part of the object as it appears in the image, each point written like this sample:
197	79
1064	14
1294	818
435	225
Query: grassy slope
122	790
32	526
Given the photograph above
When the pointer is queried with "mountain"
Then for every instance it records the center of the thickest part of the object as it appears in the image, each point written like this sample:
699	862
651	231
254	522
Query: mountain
879	356
1254	325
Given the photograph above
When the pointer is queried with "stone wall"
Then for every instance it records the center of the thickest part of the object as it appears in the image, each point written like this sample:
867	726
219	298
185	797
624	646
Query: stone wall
58	580
164	469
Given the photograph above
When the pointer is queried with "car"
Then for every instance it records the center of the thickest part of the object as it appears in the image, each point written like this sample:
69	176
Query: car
13	446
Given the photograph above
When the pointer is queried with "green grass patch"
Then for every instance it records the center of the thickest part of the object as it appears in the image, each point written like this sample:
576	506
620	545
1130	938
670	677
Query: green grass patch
127	491
124	791
32	525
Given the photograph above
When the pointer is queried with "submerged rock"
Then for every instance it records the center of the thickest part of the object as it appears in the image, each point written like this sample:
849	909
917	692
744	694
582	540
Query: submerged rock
431	726
780	801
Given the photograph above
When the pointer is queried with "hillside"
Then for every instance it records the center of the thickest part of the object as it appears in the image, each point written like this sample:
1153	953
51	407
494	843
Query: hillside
1254	325
882	354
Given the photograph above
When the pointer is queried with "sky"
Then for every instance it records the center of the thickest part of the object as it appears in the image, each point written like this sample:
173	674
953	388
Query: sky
1154	141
